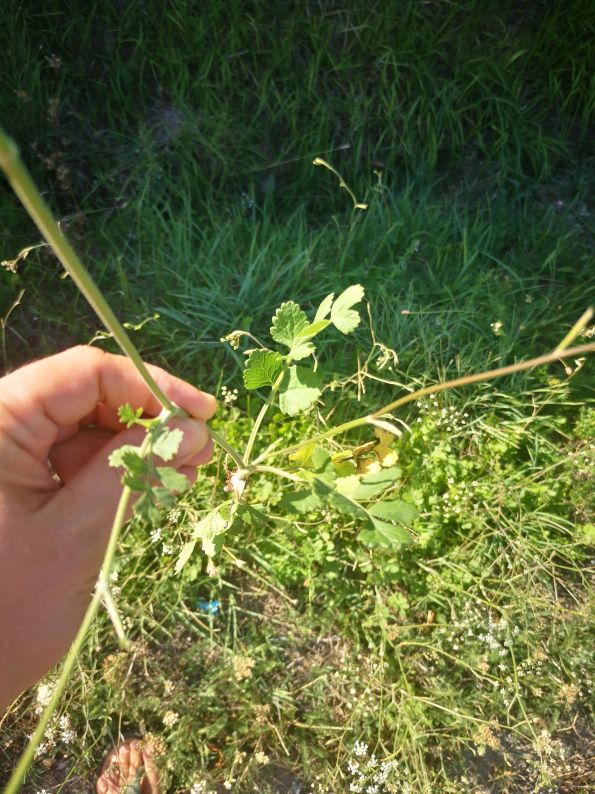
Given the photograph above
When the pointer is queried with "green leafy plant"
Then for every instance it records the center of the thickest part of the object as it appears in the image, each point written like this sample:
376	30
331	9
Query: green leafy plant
324	482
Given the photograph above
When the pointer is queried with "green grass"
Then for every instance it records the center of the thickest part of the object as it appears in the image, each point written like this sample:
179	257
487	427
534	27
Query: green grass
177	148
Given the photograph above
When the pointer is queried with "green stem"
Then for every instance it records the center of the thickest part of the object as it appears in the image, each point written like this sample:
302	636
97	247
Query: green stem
579	325
25	188
233	454
277	472
261	415
547	358
28	755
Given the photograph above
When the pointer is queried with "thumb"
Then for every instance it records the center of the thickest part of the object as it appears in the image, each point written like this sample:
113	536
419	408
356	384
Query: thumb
87	501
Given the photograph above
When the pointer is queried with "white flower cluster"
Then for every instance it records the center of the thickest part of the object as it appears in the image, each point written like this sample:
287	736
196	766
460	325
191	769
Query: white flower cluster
59	729
446	418
155	535
170	718
458	497
229	395
201	787
368	775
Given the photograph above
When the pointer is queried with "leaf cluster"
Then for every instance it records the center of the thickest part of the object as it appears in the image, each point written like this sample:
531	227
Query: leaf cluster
299	386
360	497
143	473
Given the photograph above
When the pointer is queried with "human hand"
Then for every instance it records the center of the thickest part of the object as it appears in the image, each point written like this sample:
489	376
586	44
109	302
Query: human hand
61	412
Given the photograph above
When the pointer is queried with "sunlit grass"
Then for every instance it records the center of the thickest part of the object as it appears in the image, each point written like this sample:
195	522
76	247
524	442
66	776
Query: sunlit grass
177	146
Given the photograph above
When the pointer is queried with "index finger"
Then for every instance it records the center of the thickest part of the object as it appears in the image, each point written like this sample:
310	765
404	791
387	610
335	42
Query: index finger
50	398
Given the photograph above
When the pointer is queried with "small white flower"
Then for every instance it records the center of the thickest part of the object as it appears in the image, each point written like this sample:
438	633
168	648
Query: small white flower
155	535
44	694
360	749
170	718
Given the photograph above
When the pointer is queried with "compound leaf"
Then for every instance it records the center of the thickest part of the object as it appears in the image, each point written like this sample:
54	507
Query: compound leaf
128	415
343	316
324	308
262	368
300	349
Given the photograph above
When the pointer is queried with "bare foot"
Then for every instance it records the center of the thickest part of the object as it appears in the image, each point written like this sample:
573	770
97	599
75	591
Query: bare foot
129	769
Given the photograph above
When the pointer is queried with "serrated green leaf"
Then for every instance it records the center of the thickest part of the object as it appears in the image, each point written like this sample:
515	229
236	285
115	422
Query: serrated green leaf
172	479
164	497
343	317
137	481
300	502
324	308
395	510
288	322
127	455
370	485
251	516
146	508
384	534
167	443
209	527
299	389
262	369
185	555
302	347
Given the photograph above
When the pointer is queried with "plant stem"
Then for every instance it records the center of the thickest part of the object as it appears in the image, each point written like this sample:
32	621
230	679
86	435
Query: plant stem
28	755
233	454
25	188
576	329
261	415
547	358
278	472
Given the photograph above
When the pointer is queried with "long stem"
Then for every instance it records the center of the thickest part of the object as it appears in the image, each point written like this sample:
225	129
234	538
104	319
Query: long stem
233	454
261	415
25	188
28	755
547	358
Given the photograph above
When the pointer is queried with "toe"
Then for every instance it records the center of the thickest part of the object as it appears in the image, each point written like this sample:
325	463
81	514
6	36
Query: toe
151	781
136	758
